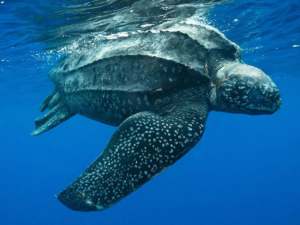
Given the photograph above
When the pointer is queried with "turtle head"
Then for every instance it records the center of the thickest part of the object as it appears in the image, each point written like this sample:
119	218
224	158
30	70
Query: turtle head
240	88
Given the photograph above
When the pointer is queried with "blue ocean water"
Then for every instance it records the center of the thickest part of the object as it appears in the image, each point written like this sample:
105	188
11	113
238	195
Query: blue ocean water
245	170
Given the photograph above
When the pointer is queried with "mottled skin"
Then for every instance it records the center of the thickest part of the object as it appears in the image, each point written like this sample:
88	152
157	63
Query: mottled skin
158	87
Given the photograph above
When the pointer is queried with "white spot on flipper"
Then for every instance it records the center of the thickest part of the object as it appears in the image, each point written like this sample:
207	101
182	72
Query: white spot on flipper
89	202
99	207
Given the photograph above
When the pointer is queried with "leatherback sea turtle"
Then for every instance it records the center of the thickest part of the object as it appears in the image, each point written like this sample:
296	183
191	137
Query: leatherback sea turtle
158	87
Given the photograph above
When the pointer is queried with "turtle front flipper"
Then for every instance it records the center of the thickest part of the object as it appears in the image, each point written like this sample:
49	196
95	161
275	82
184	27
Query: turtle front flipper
58	113
143	146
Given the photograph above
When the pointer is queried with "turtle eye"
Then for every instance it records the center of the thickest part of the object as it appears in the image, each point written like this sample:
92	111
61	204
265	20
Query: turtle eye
256	97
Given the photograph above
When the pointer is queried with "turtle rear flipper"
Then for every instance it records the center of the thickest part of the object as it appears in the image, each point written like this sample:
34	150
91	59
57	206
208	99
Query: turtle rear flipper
58	113
45	103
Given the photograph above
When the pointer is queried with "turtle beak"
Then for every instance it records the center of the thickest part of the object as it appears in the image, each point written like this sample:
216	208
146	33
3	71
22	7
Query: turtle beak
264	103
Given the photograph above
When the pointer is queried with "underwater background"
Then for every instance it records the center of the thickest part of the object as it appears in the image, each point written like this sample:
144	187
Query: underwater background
245	170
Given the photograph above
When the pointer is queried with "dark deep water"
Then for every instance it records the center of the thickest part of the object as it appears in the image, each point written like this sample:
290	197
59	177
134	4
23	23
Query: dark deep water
245	170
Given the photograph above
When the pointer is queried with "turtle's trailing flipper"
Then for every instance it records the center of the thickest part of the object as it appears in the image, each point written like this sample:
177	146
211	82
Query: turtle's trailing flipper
143	146
58	113
47	100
